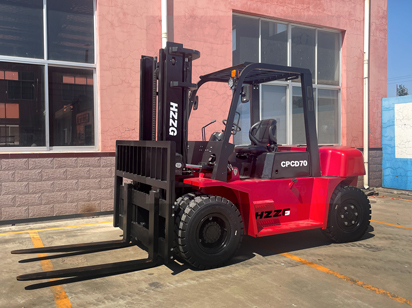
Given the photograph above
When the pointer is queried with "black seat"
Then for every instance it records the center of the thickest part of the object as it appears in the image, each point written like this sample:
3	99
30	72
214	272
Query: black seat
263	137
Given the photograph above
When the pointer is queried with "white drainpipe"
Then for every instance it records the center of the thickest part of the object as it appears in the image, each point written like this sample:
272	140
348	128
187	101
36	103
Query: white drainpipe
366	95
164	23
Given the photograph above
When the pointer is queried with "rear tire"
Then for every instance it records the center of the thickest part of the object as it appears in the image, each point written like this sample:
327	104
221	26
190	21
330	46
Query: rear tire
209	231
349	214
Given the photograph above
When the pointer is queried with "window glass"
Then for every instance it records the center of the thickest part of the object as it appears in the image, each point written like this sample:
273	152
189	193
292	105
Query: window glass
298	120
22	120
274	43
303	48
328	116
274	107
305	44
243	114
70	30
328	58
71	107
21	28
245	36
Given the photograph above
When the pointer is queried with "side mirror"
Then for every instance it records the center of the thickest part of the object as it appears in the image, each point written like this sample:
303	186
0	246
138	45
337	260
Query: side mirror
196	103
245	95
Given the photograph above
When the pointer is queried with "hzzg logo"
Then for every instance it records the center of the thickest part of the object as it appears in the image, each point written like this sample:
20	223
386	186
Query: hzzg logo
272	214
173	119
294	163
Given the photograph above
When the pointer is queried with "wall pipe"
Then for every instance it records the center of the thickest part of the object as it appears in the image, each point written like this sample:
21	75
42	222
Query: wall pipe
164	23
366	94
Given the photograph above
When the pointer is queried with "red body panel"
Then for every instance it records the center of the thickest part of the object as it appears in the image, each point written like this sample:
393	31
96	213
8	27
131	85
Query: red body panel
341	161
292	206
288	148
336	160
274	206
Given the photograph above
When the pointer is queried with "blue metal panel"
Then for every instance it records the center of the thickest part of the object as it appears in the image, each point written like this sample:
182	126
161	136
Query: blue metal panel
396	172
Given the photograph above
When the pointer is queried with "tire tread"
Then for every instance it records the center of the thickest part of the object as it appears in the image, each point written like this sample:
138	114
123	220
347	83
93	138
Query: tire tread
331	232
189	204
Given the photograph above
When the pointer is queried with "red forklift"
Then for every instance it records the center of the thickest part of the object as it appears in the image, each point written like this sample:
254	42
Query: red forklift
195	200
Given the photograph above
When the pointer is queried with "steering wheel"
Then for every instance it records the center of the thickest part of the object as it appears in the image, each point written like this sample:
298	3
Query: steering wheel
235	128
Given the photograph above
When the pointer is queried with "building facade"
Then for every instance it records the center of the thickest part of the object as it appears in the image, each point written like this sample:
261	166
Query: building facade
69	84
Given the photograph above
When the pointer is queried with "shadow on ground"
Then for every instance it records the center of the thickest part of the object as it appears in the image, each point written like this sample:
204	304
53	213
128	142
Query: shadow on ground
288	242
266	246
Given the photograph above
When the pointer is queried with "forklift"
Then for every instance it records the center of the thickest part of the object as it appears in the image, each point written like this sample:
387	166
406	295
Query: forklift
195	200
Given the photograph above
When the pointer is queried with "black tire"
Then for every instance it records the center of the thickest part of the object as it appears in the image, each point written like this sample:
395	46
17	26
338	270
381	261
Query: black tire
349	214
209	230
180	204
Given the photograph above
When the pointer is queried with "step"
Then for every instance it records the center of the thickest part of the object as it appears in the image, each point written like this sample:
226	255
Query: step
286	227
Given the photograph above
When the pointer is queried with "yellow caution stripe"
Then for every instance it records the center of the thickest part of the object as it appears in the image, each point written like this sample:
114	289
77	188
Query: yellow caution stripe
348	279
60	296
388	224
57	228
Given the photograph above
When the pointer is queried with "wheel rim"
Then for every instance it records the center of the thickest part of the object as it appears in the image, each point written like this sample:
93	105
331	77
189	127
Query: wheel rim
349	215
212	234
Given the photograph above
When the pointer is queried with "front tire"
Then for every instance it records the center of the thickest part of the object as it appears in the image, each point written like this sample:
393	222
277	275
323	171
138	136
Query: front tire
209	231
349	214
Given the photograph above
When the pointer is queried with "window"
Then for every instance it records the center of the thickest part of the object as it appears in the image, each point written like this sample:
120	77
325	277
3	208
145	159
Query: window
328	116
21	28
245	33
274	43
298	122
277	110
303	48
70	30
328	58
71	107
22	121
47	69
267	41
243	115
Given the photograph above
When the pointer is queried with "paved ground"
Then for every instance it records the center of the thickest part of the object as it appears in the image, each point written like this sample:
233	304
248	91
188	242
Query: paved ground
301	269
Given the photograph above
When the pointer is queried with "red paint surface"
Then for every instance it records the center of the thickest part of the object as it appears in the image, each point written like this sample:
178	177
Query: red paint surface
341	161
307	200
336	160
292	148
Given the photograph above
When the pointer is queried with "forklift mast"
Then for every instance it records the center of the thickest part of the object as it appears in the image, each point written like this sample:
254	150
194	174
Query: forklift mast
170	79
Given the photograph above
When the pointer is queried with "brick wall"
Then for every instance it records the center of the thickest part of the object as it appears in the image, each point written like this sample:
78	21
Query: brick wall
41	187
375	169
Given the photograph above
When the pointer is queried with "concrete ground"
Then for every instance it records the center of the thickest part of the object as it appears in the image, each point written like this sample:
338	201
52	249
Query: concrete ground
301	269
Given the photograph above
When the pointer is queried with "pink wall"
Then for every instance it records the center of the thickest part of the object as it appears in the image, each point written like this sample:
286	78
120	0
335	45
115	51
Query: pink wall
206	26
378	70
127	29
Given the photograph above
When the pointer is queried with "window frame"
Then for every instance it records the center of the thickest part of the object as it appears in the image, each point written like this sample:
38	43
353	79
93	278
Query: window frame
63	64
290	84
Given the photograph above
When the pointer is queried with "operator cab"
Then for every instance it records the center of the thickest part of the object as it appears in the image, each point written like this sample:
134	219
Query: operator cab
263	158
